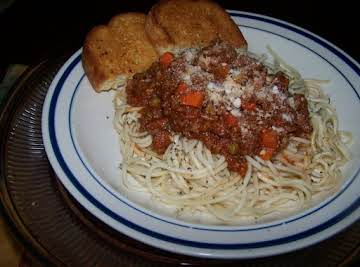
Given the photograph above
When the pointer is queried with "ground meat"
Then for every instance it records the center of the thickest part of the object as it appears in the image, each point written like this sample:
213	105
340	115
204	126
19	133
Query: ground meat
161	141
253	74
237	108
212	141
142	87
281	81
302	115
250	144
217	59
153	125
243	60
237	165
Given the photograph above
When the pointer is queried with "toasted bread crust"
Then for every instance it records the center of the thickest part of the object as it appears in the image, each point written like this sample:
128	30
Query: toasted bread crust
117	51
173	24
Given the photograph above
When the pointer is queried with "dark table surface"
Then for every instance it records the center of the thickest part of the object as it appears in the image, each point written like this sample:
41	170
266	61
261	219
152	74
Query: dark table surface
33	30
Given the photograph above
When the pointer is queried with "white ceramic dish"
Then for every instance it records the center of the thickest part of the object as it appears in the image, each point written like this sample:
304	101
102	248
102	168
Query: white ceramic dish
83	149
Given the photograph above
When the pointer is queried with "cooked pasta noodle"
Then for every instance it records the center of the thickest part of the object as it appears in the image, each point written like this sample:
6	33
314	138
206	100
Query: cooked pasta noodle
189	177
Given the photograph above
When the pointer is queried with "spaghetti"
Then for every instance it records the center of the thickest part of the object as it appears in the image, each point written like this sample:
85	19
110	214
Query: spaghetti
190	177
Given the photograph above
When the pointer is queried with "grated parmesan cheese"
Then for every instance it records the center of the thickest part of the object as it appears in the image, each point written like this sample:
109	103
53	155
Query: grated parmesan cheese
277	129
286	117
237	102
275	90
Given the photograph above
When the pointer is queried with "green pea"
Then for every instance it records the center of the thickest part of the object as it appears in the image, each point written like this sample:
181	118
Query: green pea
233	148
155	102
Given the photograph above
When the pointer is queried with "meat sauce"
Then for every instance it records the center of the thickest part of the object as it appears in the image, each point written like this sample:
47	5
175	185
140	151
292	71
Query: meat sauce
226	99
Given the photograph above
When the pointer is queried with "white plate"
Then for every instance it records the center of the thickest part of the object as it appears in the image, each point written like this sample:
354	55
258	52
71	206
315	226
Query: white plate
83	150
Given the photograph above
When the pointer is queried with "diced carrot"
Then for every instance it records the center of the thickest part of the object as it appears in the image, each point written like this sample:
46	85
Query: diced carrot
230	120
249	106
243	170
182	88
194	99
266	153
166	58
269	143
269	139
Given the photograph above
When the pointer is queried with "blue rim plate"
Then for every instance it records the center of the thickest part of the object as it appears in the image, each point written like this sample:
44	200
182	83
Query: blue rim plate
83	150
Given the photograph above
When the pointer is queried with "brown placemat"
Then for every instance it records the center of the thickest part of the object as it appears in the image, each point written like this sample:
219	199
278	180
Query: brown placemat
59	232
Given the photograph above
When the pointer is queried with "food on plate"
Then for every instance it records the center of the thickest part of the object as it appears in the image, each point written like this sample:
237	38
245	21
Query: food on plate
176	24
115	52
226	133
207	127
